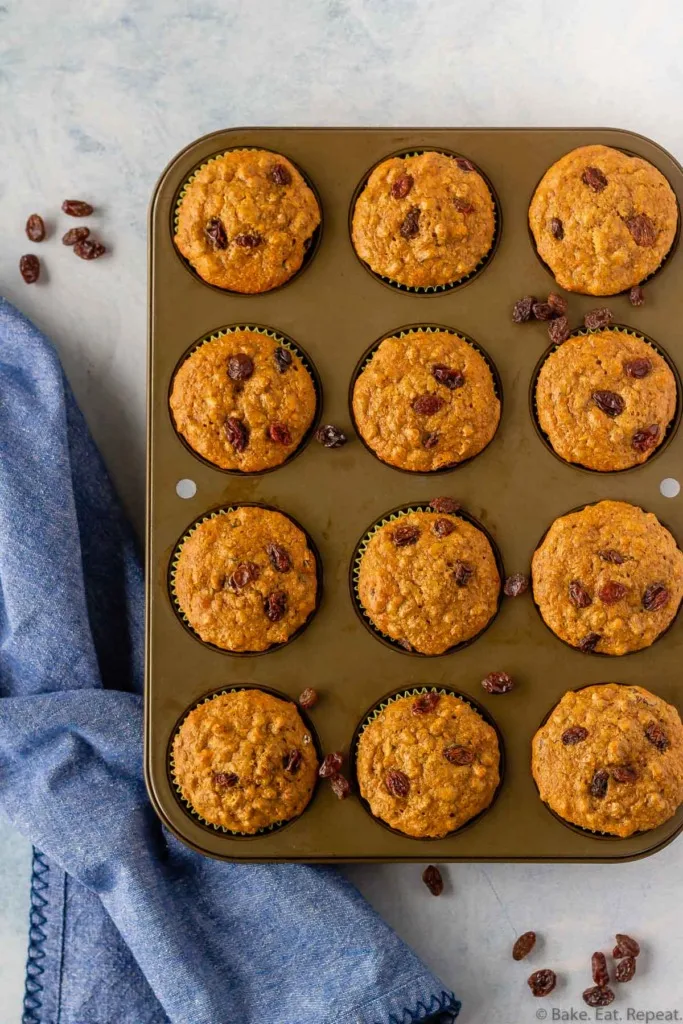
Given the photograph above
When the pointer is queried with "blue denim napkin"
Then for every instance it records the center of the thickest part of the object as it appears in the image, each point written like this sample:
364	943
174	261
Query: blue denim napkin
127	925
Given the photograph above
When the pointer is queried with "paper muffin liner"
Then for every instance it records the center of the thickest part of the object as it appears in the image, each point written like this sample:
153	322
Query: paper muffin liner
361	547
403	332
177	789
418	691
439	289
284	341
671	429
173	565
310	244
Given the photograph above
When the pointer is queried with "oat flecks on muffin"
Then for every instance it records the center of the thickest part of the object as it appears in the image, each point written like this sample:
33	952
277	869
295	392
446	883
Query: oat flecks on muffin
246	219
597	392
426	400
602	221
245	760
229	392
424	221
246	579
608	578
444	755
610	759
429	581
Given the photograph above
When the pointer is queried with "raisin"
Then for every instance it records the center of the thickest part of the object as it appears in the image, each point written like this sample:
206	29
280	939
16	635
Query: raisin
291	762
657	737
638	368
279	559
331	765
402	186
427	405
523	945
558	303
29	268
248	240
89	249
464	164
613	556
215	232
557	228
240	366
442	527
341	787
636	296
308	698
543	311
430	440
431	876
458	755
589	642
598	996
74	235
330	436
578	595
237	433
462	573
515	585
558	330
279	433
280	175
598	786
426	703
275	605
462	206
594	178
445	505
402	536
624	773
611	592
77	208
655	597
625	969
643	230
451	379
617	954
645	439
411	223
573	735
542	982
599	969
522	309
397	783
609	402
627	945
244	574
35	228
596	319
226	779
498	682
283	359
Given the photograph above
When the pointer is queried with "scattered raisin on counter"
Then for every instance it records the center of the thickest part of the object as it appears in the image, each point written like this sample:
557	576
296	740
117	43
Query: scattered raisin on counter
431	876
523	945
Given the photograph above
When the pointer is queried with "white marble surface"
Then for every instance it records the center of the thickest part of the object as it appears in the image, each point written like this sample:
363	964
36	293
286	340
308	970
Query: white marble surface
96	97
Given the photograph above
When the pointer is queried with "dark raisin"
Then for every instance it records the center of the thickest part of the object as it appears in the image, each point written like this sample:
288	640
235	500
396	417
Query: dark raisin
462	573
244	574
280	175
431	876
543	311
279	559
240	366
558	303
330	436
464	164
445	505
397	783
442	527
645	439
458	755
331	765
74	235
77	208
35	228
402	536
523	945
638	368
599	969
642	230
558	330
89	249
248	240
279	433
557	228
594	178
625	969
425	703
215	232
573	735
578	595
430	440
308	698
498	682
655	597
275	605
598	786
516	585
411	223
542	982
237	433
589	642
522	309
291	762
627	945
427	405
283	359
598	996
596	319
226	780
402	186
451	379
624	773
341	787
611	592
462	206
612	555
609	402
29	268
657	737
636	296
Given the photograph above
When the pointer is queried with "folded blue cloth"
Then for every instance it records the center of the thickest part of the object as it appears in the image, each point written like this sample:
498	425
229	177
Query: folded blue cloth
128	926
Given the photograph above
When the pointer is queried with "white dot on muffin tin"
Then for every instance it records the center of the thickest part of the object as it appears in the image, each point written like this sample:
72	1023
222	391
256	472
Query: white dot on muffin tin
670	487
186	488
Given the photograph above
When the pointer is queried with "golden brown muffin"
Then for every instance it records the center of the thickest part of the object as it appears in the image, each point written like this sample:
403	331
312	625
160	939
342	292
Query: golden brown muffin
246	579
429	581
610	759
426	400
425	220
605	399
243	401
427	764
608	578
246	219
244	760
602	221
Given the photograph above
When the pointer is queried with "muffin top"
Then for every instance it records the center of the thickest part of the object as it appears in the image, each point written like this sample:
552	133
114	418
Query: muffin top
245	220
427	764
608	578
245	760
610	759
605	399
426	400
602	221
425	220
429	581
246	579
243	401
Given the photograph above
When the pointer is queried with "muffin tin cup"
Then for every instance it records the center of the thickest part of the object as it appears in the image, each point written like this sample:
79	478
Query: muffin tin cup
418	691
403	332
224	510
285	342
440	289
391	517
670	430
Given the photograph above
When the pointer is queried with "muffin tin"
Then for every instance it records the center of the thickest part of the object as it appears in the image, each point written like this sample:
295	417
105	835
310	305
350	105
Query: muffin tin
335	311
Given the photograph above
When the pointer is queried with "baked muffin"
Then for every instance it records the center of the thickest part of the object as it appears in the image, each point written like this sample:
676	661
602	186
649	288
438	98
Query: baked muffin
244	760
246	579
243	401
608	578
605	400
427	764
246	219
602	221
429	581
426	400
424	221
610	759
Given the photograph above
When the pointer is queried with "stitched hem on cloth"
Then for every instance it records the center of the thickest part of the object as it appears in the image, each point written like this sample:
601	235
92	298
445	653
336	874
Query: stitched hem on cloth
33	988
429	1006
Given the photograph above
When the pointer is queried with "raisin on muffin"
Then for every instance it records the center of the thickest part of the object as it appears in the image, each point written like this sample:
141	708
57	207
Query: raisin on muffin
424	221
246	219
608	578
244	760
246	579
602	221
426	400
610	759
427	764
